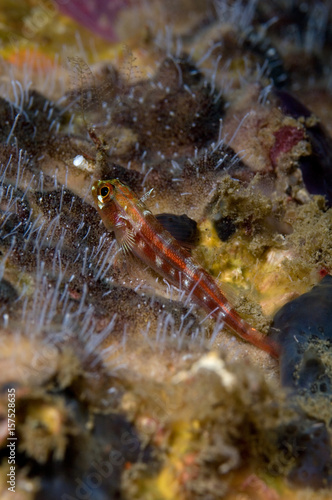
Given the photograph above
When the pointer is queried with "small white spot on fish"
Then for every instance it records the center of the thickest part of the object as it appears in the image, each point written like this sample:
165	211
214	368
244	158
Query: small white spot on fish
146	212
141	244
167	239
159	262
227	307
191	266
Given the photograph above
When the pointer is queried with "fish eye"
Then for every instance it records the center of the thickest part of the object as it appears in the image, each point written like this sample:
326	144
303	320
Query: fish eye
105	191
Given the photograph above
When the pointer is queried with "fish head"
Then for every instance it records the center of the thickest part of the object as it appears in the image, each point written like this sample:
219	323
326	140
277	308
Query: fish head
112	199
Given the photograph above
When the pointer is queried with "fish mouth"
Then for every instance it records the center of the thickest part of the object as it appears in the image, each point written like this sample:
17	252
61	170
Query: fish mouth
95	186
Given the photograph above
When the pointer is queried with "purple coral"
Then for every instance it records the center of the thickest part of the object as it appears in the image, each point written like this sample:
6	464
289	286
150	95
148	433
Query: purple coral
98	16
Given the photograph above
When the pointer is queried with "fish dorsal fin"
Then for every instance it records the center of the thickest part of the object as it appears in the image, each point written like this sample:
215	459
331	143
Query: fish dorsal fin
146	196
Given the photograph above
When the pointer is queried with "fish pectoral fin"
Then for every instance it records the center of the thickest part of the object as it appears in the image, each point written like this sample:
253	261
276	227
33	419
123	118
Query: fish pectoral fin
127	242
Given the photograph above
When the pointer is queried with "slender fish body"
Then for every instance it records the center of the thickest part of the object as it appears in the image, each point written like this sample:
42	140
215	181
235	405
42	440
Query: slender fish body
137	231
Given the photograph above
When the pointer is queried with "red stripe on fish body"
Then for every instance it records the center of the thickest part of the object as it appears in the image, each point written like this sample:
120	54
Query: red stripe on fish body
139	232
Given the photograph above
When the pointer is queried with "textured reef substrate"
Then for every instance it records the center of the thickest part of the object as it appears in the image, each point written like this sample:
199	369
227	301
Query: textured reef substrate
123	388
